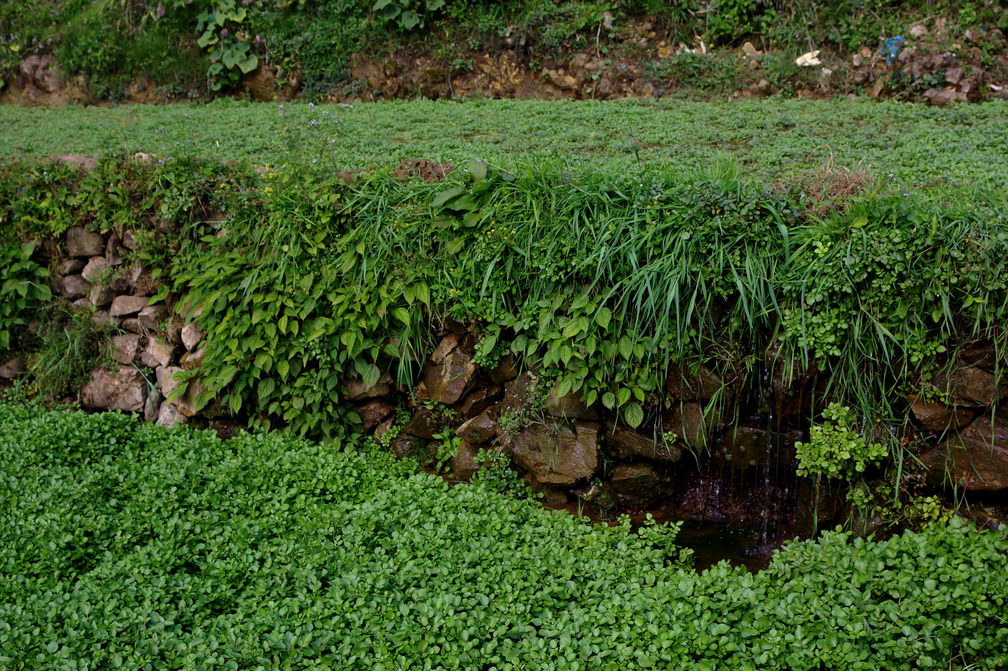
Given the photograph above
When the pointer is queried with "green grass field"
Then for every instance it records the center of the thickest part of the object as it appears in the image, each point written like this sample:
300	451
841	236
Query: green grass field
771	139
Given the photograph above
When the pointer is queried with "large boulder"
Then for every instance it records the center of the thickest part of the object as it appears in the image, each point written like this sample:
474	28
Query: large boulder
152	316
191	335
970	386
568	406
559	454
373	413
938	417
478	401
157	353
463	464
95	268
123	390
636	485
688	422
449	372
125	348
358	390
166	379
81	243
976	458
425	422
74	286
626	444
481	428
743	446
690	383
127	306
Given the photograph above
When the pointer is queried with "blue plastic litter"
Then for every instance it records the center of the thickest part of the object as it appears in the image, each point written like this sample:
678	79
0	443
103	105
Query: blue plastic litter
892	49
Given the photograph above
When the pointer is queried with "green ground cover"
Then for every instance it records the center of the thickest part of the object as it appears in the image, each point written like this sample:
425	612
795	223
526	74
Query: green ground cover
126	545
771	140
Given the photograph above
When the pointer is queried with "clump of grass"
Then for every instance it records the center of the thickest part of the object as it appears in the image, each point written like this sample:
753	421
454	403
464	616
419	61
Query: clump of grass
72	345
829	187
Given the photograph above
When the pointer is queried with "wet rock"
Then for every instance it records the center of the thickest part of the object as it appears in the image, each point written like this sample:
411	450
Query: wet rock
692	383
373	412
983	356
127	306
169	416
570	406
101	295
81	243
425	423
969	386
405	446
976	458
447	375
505	370
123	390
463	464
518	392
481	428
94	269
544	493
71	267
478	401
73	287
865	524
626	444
817	504
191	335
384	427
743	446
601	496
357	390
193	360
166	379
157	354
687	421
152	316
125	348
937	417
14	368
558	455
636	485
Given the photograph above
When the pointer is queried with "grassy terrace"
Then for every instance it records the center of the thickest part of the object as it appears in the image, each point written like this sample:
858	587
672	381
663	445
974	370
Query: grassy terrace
774	139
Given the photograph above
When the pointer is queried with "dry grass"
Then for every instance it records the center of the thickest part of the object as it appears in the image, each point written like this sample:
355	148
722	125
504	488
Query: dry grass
829	187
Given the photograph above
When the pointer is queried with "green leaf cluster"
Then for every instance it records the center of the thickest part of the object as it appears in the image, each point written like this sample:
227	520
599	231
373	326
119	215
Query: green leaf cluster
838	447
129	545
22	288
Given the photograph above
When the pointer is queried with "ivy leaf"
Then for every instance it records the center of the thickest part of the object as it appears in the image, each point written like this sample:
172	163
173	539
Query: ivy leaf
603	317
634	415
609	400
410	20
